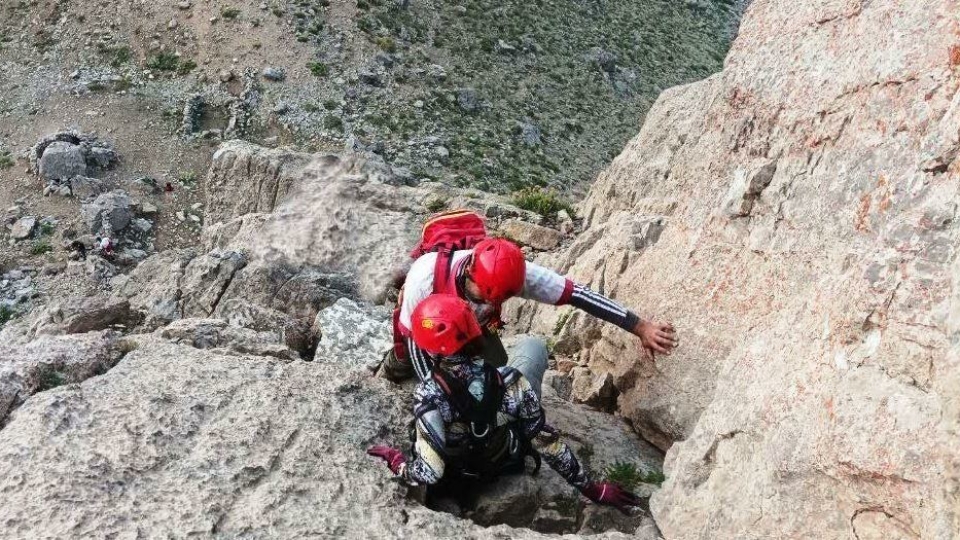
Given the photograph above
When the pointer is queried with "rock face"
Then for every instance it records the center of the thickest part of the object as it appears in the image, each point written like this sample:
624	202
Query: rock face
62	160
215	446
49	361
109	213
353	335
806	247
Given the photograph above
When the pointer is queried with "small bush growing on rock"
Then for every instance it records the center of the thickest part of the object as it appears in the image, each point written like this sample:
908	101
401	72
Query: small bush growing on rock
319	69
49	378
41	247
6	315
625	474
6	160
628	475
561	322
230	13
330	104
333	122
46	229
653	477
387	44
437	204
186	67
164	61
546	202
116	56
188	178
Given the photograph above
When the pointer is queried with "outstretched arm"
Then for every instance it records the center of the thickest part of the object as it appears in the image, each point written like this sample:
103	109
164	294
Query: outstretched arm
427	464
547	442
545	285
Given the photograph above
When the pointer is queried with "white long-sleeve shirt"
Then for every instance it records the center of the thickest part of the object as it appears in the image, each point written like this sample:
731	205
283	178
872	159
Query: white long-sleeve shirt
540	284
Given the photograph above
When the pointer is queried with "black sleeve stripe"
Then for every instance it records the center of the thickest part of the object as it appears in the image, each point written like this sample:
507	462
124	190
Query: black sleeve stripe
589	295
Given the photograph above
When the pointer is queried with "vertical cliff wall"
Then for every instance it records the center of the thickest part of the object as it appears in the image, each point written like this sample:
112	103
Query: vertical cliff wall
796	217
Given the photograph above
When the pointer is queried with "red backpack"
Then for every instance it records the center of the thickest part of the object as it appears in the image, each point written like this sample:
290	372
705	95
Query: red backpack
443	233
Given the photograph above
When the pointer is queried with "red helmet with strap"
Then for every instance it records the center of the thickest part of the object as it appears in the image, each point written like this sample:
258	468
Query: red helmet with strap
443	324
498	269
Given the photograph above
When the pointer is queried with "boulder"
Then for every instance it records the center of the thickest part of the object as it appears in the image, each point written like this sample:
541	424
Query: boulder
50	361
529	234
594	390
79	315
86	188
23	228
806	251
183	441
62	160
109	213
353	334
222	337
368	230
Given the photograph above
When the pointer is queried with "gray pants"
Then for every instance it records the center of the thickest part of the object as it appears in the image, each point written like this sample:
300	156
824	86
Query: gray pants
529	357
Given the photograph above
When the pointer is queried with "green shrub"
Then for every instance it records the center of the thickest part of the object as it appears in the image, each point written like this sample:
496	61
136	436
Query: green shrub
387	44
333	122
230	13
437	204
319	69
629	476
6	160
186	67
116	56
49	378
310	107
6	315
330	104
188	178
164	61
561	322
46	229
41	247
543	201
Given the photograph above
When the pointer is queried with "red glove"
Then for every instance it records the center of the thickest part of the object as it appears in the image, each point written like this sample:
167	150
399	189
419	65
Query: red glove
392	456
610	494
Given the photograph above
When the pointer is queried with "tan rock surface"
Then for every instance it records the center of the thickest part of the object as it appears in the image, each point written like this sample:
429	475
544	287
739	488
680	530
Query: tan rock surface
808	255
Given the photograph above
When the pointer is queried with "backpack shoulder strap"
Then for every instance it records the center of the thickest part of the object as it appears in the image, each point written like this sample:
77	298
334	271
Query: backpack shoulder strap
443	272
459	396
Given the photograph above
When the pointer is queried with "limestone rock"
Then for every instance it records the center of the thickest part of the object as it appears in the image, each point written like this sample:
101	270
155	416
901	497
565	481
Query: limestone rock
353	335
109	213
218	335
529	234
61	160
295	333
219	446
815	392
23	228
206	278
85	314
50	361
85	188
367	231
155	286
595	390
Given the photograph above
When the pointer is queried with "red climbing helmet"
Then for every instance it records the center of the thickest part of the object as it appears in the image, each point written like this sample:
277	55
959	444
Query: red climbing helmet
443	324
498	269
